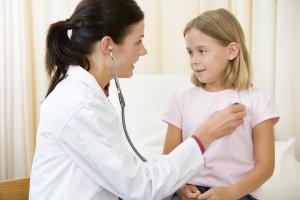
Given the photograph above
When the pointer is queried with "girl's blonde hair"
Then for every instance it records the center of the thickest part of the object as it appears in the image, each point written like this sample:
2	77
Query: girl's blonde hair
223	26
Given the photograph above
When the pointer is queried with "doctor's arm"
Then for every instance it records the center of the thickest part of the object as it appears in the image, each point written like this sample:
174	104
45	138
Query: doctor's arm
98	150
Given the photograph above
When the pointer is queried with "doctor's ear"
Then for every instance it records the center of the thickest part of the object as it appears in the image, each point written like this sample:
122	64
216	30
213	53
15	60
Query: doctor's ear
234	50
106	44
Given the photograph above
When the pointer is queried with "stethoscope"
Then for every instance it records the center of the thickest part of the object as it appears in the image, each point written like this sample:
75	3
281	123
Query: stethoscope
122	103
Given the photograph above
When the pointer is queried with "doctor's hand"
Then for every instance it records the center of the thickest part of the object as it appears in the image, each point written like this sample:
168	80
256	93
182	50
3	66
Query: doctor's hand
221	123
188	192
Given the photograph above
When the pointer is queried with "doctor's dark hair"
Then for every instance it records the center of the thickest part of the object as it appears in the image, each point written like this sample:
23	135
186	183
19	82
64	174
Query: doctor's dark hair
224	28
89	23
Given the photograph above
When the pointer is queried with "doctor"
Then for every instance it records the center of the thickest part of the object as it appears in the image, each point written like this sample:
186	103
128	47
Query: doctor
79	150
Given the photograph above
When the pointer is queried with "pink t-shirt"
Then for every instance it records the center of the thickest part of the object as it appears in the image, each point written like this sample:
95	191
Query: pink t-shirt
229	159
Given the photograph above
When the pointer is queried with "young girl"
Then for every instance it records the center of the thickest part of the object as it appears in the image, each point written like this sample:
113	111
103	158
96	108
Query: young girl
238	164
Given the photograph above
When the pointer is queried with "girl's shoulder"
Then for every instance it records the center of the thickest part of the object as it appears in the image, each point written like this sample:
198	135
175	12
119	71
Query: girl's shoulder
257	99
186	92
254	92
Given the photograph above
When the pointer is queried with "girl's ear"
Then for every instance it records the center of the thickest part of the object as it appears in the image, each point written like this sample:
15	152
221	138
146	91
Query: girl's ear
234	50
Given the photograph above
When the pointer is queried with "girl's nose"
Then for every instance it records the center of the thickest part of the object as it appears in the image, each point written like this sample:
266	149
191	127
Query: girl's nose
194	59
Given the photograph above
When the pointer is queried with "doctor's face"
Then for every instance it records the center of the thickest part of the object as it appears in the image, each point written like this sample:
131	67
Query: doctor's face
130	50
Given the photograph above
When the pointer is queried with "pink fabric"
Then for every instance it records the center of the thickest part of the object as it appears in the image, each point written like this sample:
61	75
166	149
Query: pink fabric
230	158
105	92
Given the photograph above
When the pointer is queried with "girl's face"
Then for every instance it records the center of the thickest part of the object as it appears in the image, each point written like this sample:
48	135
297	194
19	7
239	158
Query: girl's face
130	50
208	59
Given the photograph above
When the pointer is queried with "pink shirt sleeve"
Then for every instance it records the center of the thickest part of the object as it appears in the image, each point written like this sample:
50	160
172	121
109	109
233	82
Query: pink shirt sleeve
263	108
173	114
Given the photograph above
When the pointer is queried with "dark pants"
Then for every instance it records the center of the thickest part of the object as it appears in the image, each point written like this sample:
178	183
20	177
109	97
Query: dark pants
203	189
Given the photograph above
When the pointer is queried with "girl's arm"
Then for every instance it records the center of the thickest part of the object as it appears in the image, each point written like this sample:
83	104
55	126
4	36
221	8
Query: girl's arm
173	139
264	155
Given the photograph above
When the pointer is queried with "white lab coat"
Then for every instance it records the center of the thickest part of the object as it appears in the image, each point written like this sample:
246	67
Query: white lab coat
80	153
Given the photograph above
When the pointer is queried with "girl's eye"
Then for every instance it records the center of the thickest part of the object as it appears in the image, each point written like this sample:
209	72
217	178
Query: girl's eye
202	51
190	53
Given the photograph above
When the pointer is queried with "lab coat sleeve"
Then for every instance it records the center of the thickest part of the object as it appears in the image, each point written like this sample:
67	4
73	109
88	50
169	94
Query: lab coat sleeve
93	140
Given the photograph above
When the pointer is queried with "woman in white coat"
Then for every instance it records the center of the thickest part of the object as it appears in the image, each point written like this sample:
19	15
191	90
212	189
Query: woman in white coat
79	149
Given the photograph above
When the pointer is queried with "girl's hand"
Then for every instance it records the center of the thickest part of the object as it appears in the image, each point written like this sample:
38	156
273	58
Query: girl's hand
217	193
188	192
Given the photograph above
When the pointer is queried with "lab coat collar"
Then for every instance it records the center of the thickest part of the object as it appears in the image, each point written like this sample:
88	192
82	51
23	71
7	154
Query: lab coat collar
81	74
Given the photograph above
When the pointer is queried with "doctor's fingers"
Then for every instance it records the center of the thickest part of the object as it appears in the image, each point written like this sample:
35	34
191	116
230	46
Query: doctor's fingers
237	107
237	119
236	116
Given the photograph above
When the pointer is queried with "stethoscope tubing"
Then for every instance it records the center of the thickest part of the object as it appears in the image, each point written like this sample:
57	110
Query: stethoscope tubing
122	104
